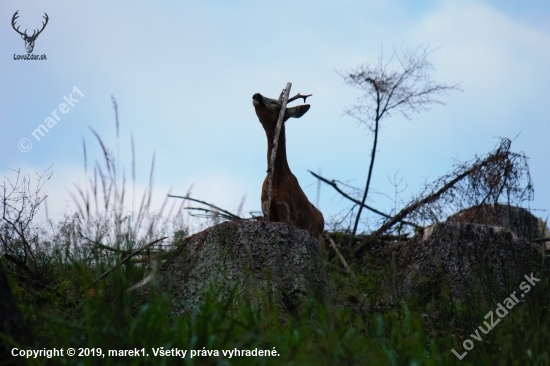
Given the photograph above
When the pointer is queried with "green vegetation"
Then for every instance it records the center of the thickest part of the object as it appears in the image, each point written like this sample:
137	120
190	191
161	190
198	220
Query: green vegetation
50	268
360	327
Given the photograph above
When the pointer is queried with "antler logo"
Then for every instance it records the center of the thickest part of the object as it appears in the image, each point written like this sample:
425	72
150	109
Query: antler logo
29	40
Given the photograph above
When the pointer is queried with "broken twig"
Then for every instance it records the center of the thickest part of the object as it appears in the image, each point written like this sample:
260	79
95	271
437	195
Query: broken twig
124	261
342	259
221	210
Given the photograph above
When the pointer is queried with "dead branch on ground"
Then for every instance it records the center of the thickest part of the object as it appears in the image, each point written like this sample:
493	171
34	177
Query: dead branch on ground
124	261
500	172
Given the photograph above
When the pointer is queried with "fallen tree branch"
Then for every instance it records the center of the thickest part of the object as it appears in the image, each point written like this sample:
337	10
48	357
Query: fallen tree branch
124	261
434	196
221	210
335	186
210	213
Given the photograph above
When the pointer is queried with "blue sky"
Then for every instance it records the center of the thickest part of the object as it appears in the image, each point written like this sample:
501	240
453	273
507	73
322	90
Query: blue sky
183	74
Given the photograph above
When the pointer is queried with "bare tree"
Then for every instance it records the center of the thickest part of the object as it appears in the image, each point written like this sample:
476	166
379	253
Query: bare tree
402	84
19	203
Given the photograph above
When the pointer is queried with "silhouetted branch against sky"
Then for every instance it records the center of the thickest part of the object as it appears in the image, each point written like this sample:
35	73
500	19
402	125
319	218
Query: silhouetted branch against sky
401	83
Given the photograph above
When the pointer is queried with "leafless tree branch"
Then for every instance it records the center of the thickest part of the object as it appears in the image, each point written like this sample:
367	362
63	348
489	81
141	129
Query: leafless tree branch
334	185
19	205
486	178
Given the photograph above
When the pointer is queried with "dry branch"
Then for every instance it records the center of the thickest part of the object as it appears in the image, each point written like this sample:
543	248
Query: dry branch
298	96
415	205
124	261
494	159
275	146
333	245
208	213
333	184
221	210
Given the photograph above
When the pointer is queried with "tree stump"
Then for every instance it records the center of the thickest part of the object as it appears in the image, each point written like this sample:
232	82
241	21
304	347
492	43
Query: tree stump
471	260
258	260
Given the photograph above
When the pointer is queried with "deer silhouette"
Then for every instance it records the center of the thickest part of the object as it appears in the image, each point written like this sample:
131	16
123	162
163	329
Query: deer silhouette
288	202
29	40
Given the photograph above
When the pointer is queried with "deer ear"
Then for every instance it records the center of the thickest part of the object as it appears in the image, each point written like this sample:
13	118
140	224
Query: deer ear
296	112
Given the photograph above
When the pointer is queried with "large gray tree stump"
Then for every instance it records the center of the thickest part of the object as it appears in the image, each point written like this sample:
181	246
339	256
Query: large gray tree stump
471	260
258	260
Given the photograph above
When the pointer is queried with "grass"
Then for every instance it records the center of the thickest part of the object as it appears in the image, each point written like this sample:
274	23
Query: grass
358	328
361	325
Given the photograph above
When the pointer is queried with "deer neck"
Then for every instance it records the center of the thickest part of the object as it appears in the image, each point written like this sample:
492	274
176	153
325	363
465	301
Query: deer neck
280	167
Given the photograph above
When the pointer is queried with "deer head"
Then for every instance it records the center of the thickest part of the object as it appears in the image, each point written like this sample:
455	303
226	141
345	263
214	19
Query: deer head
29	40
268	109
